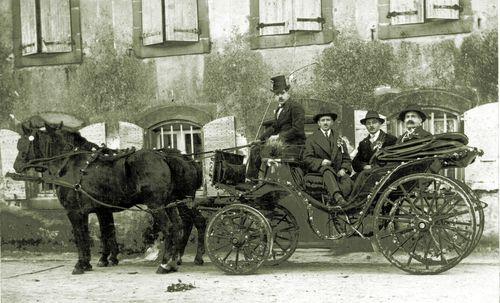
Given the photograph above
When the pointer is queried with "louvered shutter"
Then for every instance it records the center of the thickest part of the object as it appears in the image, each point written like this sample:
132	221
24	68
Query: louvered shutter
443	9
406	11
274	17
181	20
28	27
55	21
152	28
307	15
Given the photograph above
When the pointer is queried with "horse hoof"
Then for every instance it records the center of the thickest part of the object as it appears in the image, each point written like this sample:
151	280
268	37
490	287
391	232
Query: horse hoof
166	269
198	262
113	261
78	271
102	263
87	267
179	262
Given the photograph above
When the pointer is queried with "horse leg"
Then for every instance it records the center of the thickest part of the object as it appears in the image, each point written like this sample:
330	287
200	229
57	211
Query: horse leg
201	224
178	232
160	216
80	225
108	239
187	226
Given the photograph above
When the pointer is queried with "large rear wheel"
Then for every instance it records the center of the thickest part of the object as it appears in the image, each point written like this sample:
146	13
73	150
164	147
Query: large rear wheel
425	223
238	239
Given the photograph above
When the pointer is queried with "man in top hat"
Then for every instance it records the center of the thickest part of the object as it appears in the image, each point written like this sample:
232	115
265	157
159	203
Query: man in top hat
325	152
375	140
287	126
413	116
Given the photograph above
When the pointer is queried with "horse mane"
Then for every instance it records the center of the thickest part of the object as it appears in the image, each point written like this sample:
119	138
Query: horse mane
75	139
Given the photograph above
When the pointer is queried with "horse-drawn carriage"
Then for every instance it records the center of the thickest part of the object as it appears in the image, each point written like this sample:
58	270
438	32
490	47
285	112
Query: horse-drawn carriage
423	222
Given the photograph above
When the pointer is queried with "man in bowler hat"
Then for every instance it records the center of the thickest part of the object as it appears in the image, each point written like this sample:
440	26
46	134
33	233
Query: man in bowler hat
326	153
375	140
287	126
413	116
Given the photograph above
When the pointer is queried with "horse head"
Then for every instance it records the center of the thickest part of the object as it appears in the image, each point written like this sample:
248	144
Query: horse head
34	143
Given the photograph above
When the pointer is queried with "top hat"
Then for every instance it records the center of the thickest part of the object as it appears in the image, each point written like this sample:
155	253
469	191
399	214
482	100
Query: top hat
371	114
412	108
324	112
279	84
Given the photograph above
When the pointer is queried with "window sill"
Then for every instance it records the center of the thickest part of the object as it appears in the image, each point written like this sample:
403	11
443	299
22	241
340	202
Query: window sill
293	39
174	49
74	57
432	28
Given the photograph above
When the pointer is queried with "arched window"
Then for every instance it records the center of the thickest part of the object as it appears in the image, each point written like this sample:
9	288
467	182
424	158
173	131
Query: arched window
180	134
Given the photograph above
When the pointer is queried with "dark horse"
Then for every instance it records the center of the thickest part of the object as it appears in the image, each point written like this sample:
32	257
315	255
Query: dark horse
94	180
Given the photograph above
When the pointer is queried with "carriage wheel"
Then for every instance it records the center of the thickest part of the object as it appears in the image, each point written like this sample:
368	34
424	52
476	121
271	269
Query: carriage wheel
238	239
425	223
479	215
285	234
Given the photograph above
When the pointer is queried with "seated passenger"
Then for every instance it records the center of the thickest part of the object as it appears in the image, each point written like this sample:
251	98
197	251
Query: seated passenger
326	153
287	127
413	116
375	140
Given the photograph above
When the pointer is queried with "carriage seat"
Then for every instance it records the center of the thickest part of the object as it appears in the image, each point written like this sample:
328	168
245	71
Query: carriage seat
313	183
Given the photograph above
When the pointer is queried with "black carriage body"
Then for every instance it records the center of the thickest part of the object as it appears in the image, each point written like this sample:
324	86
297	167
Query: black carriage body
395	205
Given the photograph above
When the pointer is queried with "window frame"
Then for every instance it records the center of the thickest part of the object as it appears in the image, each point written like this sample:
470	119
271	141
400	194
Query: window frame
41	59
429	28
174	48
294	38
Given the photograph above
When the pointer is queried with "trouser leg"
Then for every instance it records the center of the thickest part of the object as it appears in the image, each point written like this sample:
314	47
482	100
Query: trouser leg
254	162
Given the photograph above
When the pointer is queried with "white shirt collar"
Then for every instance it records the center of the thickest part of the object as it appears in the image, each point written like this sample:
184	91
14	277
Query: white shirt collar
374	137
326	132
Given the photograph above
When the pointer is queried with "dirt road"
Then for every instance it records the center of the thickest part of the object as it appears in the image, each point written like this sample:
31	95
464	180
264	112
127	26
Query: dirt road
313	275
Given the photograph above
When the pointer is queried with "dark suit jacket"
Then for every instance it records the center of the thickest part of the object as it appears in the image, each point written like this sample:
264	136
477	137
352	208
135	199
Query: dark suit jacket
318	147
418	133
366	149
289	125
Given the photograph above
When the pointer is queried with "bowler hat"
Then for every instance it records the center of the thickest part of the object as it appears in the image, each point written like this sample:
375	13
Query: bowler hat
325	112
412	108
279	84
371	114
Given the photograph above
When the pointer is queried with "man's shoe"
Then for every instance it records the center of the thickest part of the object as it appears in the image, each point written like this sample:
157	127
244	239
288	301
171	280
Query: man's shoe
339	199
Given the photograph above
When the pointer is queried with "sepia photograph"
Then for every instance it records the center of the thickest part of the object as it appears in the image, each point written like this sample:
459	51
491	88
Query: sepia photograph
249	151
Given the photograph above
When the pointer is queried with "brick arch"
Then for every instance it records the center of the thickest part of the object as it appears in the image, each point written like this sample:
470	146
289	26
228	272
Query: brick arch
200	115
427	98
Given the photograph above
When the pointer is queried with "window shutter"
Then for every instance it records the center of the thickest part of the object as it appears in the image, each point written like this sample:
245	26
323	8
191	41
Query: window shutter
406	11
274	17
28	28
152	28
181	20
443	9
56	26
307	15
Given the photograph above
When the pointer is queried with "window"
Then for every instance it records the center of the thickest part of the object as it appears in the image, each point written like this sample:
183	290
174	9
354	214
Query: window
412	18
182	135
284	23
170	27
46	32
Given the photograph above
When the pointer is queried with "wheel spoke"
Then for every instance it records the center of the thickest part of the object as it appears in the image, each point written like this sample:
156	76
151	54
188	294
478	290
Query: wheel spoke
402	244
400	231
396	219
221	247
237	257
230	251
